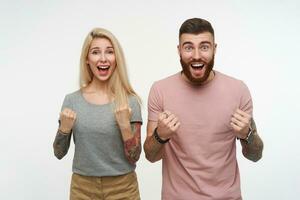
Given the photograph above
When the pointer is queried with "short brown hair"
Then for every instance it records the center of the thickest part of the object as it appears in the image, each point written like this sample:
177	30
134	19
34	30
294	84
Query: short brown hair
196	26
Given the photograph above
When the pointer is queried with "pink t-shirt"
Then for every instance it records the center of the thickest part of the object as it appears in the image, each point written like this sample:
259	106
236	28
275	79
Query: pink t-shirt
199	162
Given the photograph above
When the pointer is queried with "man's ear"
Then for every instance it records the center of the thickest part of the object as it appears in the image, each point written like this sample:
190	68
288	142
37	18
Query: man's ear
215	49
178	49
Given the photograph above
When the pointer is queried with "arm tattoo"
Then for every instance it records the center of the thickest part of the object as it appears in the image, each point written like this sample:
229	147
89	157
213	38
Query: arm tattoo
132	146
153	149
61	144
253	150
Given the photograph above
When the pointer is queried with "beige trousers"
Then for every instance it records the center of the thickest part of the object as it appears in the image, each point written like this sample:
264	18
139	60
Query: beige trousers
123	187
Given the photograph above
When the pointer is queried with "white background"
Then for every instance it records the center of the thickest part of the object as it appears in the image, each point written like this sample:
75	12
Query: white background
40	44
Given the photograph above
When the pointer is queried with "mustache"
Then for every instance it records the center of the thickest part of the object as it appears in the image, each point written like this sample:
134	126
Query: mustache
194	60
198	60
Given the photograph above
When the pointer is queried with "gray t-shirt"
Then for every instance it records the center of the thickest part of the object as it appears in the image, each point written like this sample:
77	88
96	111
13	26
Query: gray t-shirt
99	149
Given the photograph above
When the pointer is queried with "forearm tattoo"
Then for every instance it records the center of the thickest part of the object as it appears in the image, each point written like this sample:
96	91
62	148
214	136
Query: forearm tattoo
61	144
253	149
132	146
153	149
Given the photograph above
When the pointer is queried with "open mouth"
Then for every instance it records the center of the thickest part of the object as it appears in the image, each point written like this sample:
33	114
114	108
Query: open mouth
103	68
197	65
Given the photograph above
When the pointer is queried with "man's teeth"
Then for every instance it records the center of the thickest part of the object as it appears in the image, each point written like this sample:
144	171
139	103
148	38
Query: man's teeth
198	65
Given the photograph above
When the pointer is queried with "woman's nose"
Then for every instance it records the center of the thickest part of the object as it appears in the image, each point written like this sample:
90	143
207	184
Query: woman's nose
102	57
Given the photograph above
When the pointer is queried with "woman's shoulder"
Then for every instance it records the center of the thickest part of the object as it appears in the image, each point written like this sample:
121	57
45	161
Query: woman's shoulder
133	99
73	95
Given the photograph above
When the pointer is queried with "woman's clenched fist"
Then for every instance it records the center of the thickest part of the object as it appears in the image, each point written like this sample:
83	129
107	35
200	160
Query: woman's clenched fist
67	120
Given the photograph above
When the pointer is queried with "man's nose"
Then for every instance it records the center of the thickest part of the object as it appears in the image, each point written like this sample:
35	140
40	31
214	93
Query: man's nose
197	54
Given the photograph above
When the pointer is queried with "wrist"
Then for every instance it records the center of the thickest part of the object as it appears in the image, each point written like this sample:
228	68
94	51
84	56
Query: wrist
247	139
158	138
64	131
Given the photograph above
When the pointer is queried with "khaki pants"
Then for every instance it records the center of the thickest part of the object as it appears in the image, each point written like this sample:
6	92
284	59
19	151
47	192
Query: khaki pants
124	187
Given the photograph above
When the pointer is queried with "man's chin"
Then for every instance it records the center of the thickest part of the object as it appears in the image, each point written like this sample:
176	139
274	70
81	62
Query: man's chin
195	79
197	75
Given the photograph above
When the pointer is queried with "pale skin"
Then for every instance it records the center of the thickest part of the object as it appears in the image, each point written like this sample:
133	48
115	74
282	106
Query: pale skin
67	119
198	50
130	133
101	60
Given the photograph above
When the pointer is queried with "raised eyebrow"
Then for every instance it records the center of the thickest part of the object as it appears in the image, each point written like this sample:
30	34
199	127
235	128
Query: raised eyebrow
185	43
97	48
93	48
206	42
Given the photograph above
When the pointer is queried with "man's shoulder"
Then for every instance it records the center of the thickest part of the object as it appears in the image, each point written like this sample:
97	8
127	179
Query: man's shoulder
228	78
169	80
230	81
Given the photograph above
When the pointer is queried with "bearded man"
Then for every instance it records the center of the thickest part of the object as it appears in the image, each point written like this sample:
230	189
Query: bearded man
194	119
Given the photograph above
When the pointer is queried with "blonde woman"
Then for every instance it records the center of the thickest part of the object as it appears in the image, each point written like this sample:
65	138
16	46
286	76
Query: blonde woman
104	117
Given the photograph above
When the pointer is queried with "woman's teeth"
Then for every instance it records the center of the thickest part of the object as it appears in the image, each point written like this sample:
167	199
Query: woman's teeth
102	67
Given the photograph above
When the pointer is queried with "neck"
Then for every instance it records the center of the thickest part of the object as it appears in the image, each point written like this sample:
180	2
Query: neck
210	77
98	87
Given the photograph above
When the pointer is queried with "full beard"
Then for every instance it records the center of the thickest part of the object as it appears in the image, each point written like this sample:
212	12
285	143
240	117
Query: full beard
197	81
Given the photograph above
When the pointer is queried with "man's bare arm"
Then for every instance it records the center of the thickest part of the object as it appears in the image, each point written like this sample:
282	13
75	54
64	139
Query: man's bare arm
153	149
253	149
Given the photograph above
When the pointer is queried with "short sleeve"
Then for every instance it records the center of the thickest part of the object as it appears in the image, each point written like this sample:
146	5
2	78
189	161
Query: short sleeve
246	104
155	105
136	115
66	103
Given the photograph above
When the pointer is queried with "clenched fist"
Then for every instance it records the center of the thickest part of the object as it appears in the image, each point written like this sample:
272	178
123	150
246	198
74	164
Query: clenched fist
167	125
240	122
67	120
123	116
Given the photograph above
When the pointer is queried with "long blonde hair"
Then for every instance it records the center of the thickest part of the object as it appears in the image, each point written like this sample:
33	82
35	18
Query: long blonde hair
118	84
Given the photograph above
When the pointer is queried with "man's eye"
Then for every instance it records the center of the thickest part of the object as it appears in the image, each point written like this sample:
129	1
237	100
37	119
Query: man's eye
205	47
188	48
